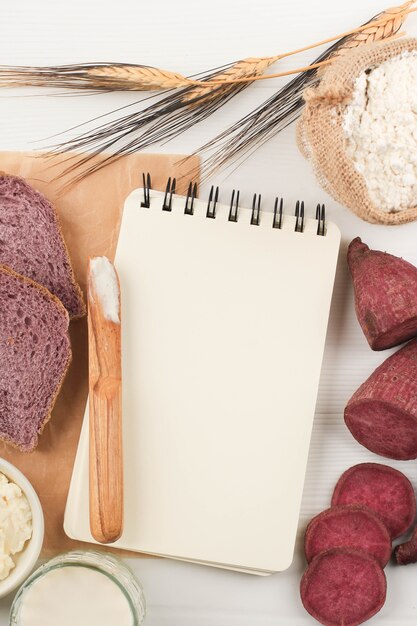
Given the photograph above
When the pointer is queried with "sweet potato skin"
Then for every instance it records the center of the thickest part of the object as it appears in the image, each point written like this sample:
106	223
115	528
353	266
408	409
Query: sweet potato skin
406	552
385	289
382	413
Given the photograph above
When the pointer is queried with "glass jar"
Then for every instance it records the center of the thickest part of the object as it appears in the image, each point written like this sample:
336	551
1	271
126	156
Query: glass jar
104	563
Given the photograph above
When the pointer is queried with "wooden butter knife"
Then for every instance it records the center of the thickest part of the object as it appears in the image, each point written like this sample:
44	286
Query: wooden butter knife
105	401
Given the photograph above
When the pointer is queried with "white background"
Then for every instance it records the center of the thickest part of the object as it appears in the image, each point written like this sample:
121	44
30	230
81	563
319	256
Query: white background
189	37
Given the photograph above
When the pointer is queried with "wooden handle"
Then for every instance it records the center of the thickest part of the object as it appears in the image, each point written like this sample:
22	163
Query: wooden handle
105	407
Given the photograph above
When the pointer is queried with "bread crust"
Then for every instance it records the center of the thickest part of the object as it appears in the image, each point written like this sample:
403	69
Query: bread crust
45	292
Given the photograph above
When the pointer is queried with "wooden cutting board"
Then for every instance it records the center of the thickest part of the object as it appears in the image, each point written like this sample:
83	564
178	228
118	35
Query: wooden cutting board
90	215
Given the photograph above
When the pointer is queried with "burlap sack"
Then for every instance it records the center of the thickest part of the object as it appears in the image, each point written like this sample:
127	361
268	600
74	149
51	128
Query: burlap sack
321	138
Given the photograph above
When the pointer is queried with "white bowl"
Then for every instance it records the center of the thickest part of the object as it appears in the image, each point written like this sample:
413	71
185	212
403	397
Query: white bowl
26	560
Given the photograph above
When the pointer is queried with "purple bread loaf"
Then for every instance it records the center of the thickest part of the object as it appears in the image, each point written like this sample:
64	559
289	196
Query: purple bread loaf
35	354
31	242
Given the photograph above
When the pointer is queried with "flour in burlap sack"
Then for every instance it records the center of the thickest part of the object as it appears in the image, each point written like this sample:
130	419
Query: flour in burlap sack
322	138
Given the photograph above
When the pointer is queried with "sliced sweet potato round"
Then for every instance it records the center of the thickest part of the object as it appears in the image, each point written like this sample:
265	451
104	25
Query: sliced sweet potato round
349	526
381	488
343	587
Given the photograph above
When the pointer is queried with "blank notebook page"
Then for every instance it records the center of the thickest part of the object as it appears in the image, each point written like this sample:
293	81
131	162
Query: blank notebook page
224	327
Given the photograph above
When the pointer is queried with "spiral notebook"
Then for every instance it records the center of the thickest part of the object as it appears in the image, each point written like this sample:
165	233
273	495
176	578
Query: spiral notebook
224	315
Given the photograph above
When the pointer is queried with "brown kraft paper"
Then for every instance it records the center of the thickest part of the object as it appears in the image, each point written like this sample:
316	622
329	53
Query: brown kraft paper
90	214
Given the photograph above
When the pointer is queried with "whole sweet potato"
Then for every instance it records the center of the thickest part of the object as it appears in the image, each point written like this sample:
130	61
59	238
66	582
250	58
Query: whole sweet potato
385	289
382	413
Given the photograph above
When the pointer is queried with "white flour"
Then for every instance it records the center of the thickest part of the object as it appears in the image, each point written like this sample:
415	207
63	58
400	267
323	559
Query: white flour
381	130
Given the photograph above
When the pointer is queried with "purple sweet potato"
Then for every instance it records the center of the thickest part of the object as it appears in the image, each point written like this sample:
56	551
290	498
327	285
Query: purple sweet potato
382	413
349	526
383	489
406	552
385	289
343	587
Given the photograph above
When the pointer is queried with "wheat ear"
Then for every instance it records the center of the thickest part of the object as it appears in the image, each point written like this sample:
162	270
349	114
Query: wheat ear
129	77
392	20
385	26
244	69
95	77
135	77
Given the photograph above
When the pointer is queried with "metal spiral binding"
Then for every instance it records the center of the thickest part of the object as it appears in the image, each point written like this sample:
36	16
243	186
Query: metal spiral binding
169	191
321	219
189	201
146	191
299	217
278	218
256	210
234	206
212	202
277	223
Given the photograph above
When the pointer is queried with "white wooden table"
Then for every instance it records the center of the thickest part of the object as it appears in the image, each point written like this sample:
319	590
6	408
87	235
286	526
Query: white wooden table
189	37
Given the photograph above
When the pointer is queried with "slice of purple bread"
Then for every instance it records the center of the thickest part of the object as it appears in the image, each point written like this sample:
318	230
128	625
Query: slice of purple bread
31	242
35	353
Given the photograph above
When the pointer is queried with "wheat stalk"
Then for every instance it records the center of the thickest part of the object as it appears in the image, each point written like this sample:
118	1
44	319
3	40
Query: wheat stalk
130	77
284	107
383	27
152	78
190	101
103	76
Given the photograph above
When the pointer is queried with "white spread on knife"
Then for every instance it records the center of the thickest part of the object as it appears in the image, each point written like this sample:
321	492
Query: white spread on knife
15	523
75	596
106	287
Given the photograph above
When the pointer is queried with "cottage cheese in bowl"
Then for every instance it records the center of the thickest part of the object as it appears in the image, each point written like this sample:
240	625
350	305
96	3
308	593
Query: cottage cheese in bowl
21	527
15	524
